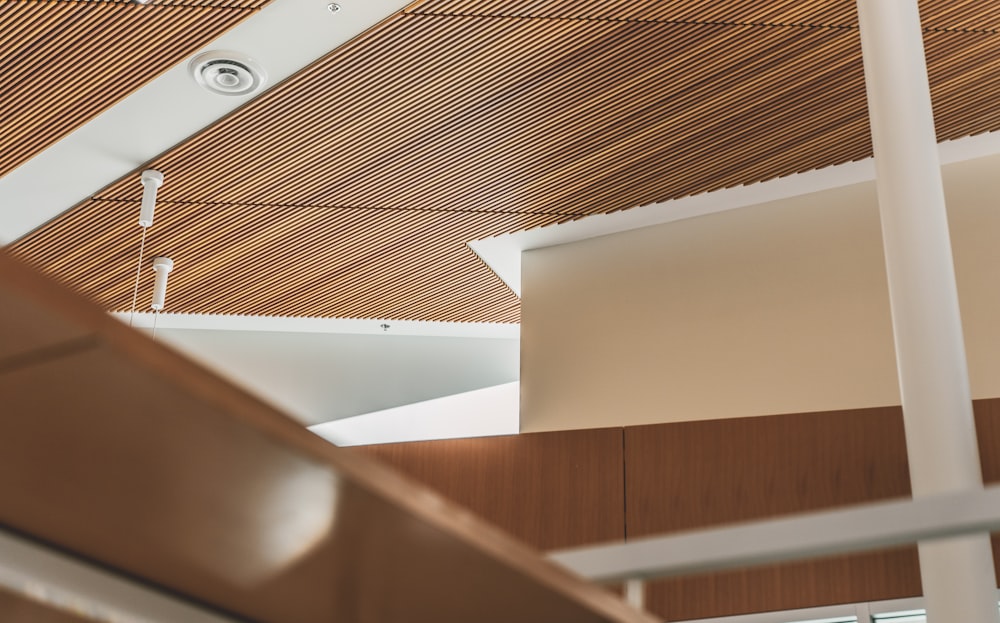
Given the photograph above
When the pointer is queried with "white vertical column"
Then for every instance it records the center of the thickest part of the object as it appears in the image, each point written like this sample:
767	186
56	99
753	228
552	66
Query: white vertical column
957	574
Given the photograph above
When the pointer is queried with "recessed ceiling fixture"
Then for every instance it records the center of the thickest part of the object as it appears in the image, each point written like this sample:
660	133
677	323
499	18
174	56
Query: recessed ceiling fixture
225	72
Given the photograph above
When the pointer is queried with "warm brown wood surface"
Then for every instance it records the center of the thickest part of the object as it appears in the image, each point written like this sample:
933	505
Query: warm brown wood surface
359	182
63	62
695	474
988	435
16	608
117	449
551	490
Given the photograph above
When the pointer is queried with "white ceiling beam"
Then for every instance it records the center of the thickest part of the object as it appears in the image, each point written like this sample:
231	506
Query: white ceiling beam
283	37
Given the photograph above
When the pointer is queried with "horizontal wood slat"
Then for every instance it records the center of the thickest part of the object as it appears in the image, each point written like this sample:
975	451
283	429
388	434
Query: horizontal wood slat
497	124
62	63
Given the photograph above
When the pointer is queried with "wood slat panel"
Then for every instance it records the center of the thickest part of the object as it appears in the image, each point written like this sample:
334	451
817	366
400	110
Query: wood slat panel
305	261
62	63
780	12
225	4
697	474
154	467
454	108
551	490
965	15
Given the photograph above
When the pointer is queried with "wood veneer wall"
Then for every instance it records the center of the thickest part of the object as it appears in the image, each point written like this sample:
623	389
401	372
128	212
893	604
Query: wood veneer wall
687	475
551	490
560	489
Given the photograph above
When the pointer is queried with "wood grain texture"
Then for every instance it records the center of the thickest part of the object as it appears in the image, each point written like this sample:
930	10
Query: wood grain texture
988	435
462	119
964	15
128	455
16	608
550	490
696	474
64	62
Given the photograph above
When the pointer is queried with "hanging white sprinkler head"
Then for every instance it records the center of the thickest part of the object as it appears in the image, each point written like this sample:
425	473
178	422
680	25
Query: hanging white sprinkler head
151	180
162	266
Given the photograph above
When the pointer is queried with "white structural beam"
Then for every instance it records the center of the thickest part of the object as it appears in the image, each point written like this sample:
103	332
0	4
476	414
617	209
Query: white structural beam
957	575
863	528
283	37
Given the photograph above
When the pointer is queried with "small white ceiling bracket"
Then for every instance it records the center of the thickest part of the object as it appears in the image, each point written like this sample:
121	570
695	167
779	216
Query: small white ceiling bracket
225	72
151	180
162	266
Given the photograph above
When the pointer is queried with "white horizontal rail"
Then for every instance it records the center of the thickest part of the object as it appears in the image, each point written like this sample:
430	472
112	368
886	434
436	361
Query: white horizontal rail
868	527
65	583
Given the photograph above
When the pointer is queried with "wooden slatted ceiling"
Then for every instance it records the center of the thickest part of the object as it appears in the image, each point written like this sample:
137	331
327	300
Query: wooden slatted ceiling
936	14
64	62
452	121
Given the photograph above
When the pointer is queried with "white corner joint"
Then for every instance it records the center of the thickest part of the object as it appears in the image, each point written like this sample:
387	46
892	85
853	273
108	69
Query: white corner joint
151	180
162	267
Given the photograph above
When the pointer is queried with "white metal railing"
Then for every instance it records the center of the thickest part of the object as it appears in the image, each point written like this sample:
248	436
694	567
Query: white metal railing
862	528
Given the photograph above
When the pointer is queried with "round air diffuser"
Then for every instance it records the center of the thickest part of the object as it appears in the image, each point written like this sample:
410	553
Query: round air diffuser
227	73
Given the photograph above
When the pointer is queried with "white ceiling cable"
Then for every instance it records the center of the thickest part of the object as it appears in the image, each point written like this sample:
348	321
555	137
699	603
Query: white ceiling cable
151	180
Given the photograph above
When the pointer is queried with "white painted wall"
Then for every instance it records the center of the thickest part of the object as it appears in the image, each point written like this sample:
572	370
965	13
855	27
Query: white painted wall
775	308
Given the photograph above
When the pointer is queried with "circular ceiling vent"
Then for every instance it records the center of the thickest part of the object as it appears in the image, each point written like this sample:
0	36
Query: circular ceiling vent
228	73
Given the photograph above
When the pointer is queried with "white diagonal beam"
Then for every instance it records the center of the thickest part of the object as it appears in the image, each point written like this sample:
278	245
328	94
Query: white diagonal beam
855	529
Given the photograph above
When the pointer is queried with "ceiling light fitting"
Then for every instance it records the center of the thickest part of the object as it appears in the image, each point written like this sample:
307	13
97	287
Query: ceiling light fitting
151	180
225	72
162	267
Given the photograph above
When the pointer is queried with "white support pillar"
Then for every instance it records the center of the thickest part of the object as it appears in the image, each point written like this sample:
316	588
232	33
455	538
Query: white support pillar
957	574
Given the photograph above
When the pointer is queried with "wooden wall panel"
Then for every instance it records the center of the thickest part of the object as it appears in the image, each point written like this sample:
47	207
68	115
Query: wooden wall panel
988	432
551	490
562	489
695	474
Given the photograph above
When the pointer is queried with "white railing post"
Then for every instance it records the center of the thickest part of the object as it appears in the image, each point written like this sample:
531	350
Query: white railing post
957	574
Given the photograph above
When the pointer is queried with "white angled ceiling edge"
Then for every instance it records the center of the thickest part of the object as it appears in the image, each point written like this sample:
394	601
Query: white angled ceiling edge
483	412
283	37
288	324
503	253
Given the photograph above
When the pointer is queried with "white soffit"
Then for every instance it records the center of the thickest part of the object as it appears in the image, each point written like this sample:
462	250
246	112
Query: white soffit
319	377
283	37
289	324
503	253
480	413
